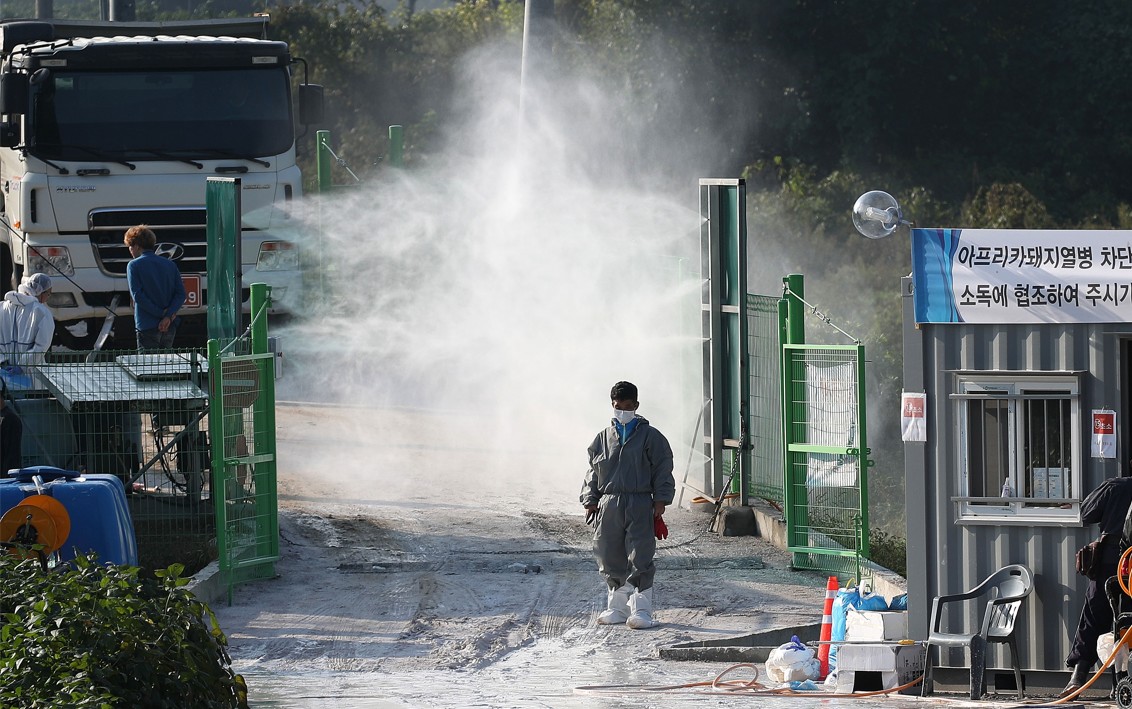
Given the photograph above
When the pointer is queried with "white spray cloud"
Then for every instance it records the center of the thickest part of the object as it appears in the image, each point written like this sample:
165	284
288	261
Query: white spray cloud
511	283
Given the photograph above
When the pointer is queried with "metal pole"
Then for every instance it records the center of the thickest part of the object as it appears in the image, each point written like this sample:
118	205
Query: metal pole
216	438
263	423
795	500
396	146
538	38
795	314
122	11
323	160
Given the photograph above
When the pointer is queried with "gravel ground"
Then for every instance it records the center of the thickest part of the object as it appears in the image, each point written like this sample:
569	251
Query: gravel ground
423	575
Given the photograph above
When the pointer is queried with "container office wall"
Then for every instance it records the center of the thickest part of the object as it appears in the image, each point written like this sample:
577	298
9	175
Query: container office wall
947	553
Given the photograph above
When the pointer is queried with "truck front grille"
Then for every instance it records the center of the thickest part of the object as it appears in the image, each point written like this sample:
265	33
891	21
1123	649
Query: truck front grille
173	227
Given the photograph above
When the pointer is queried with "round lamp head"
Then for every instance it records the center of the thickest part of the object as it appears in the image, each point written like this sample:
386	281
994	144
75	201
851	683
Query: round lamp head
876	214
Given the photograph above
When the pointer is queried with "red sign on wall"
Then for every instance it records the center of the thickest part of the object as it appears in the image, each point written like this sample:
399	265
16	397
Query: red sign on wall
1104	433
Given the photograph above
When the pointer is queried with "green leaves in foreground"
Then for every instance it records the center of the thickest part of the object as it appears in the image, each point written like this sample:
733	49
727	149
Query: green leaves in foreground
101	635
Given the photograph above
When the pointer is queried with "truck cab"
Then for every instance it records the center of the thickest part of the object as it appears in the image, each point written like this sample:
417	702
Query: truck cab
108	125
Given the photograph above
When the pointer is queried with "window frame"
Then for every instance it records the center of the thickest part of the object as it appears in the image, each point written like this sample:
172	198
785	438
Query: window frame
1015	389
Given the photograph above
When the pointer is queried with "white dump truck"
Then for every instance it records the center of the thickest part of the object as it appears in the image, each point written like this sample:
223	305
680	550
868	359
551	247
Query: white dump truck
107	125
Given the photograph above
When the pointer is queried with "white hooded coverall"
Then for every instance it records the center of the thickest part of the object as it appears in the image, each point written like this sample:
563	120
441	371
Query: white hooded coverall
26	329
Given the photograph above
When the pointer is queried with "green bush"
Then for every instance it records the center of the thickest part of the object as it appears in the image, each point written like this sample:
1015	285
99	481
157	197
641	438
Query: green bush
890	551
101	635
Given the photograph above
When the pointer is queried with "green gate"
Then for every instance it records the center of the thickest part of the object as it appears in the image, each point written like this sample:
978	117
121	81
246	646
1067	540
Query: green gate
826	465
244	450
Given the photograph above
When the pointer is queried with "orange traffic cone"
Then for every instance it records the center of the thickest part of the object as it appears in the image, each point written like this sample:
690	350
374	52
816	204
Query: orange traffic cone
831	587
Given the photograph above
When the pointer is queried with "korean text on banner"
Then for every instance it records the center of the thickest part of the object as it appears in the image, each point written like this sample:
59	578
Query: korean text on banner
1021	276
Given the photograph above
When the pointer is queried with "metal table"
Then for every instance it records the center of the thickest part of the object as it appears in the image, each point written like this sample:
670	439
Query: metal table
98	383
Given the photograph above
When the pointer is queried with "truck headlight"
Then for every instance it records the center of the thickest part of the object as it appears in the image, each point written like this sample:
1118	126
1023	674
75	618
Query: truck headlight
277	256
52	260
62	300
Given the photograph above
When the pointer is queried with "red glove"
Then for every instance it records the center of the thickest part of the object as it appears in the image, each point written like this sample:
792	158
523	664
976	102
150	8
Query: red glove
660	527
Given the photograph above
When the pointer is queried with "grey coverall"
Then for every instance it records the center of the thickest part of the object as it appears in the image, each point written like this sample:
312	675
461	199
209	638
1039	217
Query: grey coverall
624	480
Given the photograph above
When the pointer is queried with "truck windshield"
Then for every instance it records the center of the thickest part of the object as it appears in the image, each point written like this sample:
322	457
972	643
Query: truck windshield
159	115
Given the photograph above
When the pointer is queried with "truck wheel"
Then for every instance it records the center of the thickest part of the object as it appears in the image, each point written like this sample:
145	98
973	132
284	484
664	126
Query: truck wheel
17	276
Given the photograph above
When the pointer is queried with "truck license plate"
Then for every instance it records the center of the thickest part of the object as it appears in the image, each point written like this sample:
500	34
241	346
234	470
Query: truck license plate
192	291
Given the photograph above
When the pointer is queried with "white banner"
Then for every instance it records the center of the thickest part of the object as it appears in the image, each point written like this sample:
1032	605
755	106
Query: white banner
1022	276
831	420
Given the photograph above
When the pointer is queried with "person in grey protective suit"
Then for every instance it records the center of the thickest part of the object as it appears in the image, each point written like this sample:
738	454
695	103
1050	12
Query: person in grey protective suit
628	485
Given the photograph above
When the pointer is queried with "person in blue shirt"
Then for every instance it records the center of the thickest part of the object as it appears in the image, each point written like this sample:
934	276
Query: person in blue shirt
156	288
627	487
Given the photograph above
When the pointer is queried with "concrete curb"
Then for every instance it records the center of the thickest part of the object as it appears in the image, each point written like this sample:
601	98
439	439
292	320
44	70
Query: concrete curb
208	584
755	647
771	526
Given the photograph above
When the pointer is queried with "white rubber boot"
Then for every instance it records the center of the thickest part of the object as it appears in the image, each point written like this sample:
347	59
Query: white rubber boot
640	610
616	606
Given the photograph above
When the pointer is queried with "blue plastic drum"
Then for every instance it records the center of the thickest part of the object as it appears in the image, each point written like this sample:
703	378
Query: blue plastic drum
100	519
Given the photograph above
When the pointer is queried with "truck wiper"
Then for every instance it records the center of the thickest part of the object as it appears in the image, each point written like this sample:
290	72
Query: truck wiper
169	156
219	152
98	154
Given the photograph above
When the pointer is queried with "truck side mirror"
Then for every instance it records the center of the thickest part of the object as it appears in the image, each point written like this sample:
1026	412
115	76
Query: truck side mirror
311	104
13	94
10	135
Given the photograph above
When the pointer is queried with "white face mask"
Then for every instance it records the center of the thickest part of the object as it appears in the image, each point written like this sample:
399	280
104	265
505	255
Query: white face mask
624	417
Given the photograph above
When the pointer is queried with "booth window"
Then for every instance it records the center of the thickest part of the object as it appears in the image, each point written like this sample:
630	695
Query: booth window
1019	447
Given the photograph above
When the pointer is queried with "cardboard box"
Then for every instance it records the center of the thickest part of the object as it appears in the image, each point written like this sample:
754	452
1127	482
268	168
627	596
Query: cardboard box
870	667
873	626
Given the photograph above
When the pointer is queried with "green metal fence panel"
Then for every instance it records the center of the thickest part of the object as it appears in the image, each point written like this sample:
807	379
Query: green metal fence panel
827	457
141	416
244	451
765	411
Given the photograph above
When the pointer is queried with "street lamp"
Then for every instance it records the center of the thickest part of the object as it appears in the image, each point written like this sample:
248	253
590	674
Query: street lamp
876	215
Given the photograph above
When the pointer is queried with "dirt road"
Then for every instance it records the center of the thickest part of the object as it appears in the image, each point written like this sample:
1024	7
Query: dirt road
420	574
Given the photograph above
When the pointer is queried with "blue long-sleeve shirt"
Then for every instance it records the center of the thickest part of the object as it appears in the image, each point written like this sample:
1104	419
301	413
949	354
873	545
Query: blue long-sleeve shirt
156	287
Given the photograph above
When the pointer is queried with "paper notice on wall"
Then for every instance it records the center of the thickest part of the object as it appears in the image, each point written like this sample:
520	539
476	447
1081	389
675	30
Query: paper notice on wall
913	417
1104	433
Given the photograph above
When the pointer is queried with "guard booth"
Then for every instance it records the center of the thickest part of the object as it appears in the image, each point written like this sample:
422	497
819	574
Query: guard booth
1017	348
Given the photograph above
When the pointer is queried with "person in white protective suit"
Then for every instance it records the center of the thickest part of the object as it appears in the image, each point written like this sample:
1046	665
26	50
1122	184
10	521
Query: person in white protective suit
26	323
627	487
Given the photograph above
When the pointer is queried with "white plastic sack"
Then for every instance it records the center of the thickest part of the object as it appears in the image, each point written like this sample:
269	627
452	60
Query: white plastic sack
1105	643
792	662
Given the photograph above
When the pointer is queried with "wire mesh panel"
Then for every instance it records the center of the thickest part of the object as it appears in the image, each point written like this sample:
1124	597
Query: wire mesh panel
827	459
140	416
765	411
243	449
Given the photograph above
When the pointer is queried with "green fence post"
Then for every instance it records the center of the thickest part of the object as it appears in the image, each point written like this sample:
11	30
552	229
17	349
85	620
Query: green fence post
795	313
396	146
219	482
223	228
323	160
263	422
793	419
864	460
